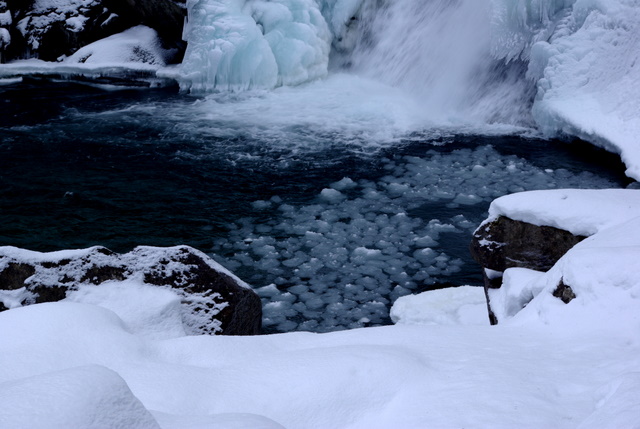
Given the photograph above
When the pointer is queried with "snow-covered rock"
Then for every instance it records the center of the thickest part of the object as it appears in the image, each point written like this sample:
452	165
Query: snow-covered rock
596	269
51	29
165	288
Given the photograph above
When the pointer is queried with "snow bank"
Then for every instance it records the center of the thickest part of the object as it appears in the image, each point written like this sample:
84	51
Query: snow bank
464	305
583	55
604	275
396	376
133	57
579	211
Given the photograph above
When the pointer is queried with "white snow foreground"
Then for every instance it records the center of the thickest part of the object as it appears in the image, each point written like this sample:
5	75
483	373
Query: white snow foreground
553	365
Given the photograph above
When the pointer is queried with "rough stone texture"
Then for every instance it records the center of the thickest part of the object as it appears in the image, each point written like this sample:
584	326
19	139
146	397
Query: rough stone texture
48	34
214	302
506	243
564	292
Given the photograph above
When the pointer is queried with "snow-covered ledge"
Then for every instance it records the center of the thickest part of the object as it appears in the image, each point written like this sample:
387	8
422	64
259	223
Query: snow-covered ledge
530	233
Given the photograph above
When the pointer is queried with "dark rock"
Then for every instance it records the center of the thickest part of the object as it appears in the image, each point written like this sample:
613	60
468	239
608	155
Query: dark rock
48	34
564	292
506	243
14	275
213	300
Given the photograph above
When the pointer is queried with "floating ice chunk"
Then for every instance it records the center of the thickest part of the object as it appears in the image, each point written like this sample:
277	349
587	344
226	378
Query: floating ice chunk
261	205
332	195
343	184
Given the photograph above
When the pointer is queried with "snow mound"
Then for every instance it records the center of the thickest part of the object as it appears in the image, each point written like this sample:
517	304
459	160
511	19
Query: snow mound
603	273
579	211
82	397
464	305
139	45
150	311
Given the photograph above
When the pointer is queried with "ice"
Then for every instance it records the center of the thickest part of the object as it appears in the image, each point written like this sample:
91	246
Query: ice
234	45
367	242
582	54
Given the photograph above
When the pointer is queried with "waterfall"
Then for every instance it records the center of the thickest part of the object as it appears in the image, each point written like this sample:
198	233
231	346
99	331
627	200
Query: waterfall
441	52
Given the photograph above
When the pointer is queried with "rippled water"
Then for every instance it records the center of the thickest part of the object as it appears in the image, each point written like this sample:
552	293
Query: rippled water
331	211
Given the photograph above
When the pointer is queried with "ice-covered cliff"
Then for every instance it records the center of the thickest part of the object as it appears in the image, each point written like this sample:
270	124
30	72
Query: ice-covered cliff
565	66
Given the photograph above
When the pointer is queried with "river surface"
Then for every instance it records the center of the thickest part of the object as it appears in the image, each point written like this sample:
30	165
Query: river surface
330	211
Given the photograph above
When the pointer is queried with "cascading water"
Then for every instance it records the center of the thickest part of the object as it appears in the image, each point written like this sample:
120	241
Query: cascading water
441	52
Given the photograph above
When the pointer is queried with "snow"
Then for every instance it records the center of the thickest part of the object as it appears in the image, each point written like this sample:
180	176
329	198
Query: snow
81	360
89	396
579	211
603	274
463	305
136	45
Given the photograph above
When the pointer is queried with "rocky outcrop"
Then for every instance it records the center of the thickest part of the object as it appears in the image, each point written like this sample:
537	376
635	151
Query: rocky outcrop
213	300
47	30
505	243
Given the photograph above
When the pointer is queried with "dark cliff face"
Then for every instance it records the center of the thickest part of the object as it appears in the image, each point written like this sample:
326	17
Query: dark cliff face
46	33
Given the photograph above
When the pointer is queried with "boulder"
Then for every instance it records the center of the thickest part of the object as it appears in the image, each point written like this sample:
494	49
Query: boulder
506	243
48	30
213	300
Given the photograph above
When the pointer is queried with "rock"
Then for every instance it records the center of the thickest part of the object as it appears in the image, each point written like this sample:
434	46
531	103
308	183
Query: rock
505	243
214	301
48	31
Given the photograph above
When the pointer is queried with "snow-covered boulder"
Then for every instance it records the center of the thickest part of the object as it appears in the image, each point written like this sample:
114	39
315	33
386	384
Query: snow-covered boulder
530	233
205	296
51	29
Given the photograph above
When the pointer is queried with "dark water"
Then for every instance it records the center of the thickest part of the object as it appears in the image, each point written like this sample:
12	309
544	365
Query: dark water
78	168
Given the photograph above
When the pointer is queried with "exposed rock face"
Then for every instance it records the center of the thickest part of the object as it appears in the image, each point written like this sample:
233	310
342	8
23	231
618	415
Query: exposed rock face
213	300
505	243
47	30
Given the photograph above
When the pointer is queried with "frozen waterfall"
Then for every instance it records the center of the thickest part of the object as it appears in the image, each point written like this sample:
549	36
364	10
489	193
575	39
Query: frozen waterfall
561	66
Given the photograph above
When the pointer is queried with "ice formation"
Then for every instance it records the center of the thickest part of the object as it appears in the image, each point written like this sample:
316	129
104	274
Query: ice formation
464	60
236	45
341	260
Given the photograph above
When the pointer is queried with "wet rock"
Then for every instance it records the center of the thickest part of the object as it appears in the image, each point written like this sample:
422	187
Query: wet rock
214	301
